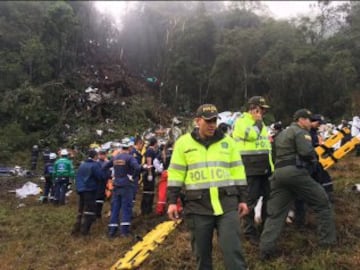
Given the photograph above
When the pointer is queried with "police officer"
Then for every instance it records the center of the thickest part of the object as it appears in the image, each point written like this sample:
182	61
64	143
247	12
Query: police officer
126	169
89	176
208	164
291	179
63	172
255	148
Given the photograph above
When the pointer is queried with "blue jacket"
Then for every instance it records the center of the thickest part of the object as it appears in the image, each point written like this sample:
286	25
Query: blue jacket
49	169
125	165
89	176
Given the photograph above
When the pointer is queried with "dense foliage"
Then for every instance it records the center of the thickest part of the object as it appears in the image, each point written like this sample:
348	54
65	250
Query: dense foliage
201	51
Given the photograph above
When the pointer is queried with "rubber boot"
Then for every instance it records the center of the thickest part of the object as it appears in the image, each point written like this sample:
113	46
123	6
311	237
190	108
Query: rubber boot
76	228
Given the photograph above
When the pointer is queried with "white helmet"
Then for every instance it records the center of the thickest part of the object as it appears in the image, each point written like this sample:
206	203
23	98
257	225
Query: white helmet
126	142
52	156
64	152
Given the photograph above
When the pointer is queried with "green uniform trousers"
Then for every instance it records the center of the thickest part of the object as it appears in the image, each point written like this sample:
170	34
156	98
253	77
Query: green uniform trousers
228	231
288	183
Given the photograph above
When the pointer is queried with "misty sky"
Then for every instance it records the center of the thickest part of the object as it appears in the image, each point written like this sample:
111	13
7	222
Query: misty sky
280	9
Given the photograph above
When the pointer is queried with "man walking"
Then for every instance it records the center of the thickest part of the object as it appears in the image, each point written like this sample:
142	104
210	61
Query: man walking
291	180
88	178
208	164
253	141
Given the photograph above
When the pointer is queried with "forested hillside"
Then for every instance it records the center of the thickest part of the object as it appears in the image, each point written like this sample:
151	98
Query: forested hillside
50	52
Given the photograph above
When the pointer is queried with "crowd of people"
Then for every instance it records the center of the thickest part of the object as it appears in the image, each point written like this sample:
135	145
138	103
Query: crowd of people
211	177
109	174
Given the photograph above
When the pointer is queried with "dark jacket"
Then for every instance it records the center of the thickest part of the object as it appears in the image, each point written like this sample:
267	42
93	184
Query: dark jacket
49	169
89	176
294	147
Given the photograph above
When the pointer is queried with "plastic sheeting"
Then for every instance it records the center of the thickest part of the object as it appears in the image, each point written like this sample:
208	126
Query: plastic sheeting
29	188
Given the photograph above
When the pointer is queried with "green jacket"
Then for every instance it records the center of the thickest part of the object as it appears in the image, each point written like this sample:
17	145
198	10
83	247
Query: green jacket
63	167
211	172
294	144
254	144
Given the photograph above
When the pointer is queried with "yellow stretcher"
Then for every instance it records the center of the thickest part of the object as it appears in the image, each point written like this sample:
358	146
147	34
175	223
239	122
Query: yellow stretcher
329	143
141	250
331	159
328	157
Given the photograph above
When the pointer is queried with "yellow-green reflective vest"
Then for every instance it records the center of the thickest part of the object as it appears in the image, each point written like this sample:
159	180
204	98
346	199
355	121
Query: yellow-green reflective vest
251	140
197	168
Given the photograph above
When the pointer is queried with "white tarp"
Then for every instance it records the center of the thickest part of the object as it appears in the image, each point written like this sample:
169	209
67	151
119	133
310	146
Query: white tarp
29	188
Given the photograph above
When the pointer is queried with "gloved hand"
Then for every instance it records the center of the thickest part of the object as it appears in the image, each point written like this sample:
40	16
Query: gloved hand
150	178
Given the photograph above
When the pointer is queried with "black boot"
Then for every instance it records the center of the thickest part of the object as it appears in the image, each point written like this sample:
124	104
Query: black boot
76	229
85	227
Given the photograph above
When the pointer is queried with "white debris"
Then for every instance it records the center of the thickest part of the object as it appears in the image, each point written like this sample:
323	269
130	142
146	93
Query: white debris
356	187
110	130
176	121
21	172
109	121
106	145
94	97
29	188
99	132
290	217
91	90
228	118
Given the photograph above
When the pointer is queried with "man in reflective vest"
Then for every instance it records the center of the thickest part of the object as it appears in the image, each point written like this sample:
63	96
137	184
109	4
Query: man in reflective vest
209	166
253	141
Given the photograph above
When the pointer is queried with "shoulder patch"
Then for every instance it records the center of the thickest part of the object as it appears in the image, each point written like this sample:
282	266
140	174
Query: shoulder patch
307	137
224	145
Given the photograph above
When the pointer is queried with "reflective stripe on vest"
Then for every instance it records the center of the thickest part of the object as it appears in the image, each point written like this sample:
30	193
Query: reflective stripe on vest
215	201
197	167
214	164
224	183
255	152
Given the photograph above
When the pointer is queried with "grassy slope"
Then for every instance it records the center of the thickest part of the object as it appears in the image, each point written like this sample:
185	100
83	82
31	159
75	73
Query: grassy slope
37	236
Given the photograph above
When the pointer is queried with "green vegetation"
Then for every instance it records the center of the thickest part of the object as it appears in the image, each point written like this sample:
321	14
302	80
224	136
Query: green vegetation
50	52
